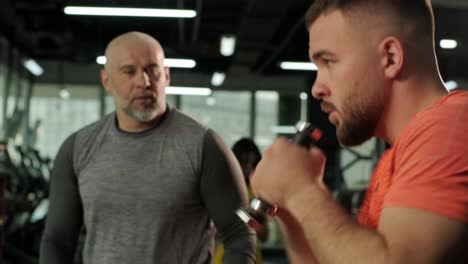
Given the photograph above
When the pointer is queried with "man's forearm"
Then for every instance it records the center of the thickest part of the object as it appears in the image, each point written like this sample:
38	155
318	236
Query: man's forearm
332	234
296	245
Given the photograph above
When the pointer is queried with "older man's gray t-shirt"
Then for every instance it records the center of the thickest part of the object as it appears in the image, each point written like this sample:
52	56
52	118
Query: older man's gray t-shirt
147	197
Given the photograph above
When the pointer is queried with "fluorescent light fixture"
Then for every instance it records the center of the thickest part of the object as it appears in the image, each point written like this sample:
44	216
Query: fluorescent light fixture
173	63
33	67
298	66
188	90
448	43
134	12
284	129
303	96
228	44
179	63
64	94
451	85
218	78
101	60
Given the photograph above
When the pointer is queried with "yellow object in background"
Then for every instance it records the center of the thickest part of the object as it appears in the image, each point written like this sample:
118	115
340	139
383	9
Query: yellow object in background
219	253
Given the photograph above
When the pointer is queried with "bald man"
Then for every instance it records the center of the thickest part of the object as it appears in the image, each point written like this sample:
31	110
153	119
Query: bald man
146	181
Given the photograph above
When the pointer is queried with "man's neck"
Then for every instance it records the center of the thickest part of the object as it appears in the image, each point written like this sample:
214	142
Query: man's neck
406	100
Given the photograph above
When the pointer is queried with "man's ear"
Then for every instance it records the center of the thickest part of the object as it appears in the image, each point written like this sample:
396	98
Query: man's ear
392	57
105	80
167	73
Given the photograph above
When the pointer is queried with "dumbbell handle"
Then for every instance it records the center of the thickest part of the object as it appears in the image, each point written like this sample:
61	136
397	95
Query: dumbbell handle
306	136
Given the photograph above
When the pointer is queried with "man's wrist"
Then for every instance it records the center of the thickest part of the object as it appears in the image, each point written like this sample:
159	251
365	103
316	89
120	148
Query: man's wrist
301	203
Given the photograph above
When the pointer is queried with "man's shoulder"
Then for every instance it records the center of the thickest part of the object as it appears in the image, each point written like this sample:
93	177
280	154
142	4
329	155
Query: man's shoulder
96	125
446	115
451	105
185	122
87	141
90	131
437	130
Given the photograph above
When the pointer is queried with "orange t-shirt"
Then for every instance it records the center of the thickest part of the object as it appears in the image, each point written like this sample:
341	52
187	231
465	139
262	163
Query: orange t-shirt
427	167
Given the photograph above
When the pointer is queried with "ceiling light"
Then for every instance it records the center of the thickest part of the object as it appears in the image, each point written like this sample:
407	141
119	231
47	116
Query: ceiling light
298	66
101	60
188	90
218	78
135	12
448	43
33	67
179	63
173	63
451	85
228	44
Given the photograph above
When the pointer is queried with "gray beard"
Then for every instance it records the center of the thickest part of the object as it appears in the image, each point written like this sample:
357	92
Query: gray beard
148	114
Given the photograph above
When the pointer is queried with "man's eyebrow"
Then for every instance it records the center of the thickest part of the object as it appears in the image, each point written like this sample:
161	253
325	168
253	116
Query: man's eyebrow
319	54
125	67
153	64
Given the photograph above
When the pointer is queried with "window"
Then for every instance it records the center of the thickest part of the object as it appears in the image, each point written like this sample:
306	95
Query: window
54	118
266	117
226	112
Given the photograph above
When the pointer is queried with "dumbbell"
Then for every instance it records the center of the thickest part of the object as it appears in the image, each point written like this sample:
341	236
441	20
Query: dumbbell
256	215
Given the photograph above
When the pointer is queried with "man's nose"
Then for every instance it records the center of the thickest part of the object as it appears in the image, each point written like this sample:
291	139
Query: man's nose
144	80
319	90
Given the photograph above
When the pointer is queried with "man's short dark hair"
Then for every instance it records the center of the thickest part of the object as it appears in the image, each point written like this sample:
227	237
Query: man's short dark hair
244	146
414	14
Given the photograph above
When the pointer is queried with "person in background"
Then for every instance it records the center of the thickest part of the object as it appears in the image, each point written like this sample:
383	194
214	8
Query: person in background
146	181
248	155
377	76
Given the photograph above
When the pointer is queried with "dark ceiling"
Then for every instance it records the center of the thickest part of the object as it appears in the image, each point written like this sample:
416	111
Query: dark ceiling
267	31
